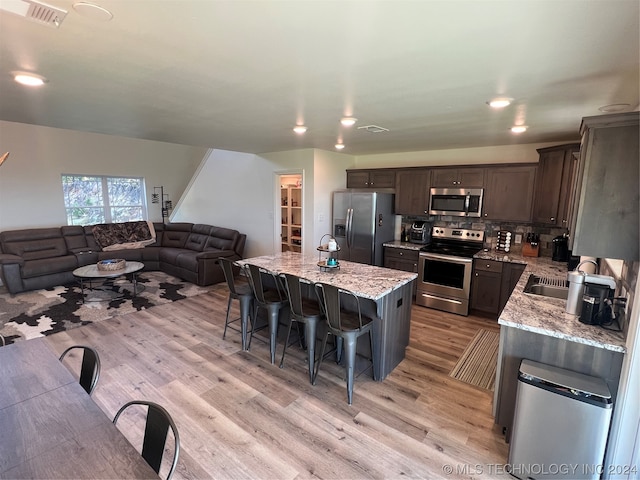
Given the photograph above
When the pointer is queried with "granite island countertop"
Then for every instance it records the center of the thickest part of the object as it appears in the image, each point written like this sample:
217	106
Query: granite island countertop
545	315
366	281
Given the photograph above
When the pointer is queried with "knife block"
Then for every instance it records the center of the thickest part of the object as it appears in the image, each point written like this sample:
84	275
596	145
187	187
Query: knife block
529	250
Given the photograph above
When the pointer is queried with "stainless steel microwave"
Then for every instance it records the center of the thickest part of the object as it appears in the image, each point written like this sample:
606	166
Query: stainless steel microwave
456	202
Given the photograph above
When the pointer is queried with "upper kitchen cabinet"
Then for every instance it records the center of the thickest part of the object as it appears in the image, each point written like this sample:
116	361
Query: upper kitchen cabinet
508	194
376	178
553	185
605	222
412	191
457	177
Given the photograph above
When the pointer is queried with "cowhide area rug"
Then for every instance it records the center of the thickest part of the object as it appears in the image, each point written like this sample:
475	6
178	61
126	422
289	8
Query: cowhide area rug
45	312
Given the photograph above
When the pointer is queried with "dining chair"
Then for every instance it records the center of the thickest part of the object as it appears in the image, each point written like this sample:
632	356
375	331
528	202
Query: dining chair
269	296
90	368
305	311
155	434
1	341
241	291
346	326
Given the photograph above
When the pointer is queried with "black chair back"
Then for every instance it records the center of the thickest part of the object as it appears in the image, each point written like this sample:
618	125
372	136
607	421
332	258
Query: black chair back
228	268
90	368
155	434
259	288
329	297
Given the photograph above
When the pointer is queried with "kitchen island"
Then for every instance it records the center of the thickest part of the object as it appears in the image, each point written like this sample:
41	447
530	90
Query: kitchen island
538	328
384	294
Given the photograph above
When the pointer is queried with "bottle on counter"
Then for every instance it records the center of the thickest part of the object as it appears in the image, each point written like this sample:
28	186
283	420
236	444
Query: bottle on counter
403	234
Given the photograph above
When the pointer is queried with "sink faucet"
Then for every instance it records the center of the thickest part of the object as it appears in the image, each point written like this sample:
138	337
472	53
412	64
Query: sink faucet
587	261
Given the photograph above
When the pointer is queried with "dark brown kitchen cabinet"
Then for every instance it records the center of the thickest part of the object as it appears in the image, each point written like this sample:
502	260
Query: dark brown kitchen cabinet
605	218
375	178
508	193
492	285
402	259
486	286
457	177
553	185
412	191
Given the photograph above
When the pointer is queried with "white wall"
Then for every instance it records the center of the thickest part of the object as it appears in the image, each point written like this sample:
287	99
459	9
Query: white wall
30	179
457	156
329	170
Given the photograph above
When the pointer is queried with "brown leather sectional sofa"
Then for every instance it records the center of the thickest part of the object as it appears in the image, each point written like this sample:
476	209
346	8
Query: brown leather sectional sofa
45	257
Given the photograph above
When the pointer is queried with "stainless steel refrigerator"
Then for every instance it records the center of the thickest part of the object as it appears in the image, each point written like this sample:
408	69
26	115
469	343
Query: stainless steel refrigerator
362	222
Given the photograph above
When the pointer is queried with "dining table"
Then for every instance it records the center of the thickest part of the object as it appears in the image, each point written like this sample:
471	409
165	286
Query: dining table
384	294
51	428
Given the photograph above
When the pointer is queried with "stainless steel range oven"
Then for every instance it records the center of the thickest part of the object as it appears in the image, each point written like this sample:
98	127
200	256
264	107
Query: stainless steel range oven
444	269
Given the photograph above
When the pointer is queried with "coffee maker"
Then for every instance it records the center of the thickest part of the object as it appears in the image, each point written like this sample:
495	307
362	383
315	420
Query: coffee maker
597	300
560	249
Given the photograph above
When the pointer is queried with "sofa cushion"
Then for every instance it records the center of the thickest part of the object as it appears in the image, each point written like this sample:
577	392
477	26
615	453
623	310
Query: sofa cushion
36	248
75	238
222	238
174	238
48	266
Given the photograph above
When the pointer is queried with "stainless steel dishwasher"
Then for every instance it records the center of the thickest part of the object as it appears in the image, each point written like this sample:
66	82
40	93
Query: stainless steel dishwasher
561	424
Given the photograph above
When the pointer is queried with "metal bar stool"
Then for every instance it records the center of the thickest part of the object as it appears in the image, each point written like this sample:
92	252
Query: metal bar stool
90	369
305	311
346	326
242	292
273	300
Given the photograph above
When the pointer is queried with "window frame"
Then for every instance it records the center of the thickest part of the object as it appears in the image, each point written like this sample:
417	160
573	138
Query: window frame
107	205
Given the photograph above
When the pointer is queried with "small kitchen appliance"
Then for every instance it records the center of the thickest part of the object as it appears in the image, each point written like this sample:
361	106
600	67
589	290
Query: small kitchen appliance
560	249
597	300
420	232
456	202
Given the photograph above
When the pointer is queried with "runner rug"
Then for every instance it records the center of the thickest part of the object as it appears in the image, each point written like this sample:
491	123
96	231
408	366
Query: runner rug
45	312
477	365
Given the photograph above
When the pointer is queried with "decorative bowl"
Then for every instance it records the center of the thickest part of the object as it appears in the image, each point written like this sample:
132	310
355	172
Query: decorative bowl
111	264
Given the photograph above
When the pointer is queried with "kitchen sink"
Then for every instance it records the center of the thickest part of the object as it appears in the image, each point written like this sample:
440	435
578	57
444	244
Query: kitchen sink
547	287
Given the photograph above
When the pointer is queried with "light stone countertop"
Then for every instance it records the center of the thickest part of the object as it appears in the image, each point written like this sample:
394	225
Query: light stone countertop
545	315
404	245
365	281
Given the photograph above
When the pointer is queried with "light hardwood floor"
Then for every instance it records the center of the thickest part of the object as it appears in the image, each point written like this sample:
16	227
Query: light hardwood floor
241	417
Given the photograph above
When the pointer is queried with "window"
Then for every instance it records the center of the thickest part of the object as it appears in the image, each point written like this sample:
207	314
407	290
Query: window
97	199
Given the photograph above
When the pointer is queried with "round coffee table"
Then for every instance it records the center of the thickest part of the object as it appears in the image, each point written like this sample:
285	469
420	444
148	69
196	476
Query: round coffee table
90	273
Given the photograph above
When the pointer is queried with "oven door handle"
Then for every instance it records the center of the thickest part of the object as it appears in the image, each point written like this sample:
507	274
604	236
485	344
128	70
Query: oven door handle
447	258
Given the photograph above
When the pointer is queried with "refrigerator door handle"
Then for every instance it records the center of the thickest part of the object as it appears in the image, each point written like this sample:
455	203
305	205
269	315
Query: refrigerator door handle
349	226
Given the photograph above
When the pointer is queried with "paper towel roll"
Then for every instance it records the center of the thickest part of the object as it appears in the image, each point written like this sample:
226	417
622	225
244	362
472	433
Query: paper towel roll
588	267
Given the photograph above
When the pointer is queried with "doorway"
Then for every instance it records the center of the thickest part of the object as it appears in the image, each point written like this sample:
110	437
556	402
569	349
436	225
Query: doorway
290	199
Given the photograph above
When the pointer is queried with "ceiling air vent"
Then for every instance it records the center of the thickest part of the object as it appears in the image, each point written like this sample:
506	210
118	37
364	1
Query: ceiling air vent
35	11
373	129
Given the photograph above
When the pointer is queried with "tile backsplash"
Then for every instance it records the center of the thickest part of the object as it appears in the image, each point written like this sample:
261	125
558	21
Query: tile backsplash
547	234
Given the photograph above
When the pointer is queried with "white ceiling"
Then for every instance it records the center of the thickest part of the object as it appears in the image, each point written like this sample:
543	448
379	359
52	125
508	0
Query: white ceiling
238	75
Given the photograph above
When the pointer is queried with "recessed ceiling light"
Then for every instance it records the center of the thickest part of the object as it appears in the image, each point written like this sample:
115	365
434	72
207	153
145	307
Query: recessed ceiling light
500	102
339	146
94	12
299	129
348	121
29	79
519	128
614	107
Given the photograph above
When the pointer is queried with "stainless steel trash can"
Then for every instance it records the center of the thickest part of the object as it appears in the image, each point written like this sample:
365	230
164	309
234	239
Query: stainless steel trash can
561	424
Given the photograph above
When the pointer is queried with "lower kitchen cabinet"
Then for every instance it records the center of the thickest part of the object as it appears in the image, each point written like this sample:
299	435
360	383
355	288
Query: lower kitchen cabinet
404	259
492	284
486	286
